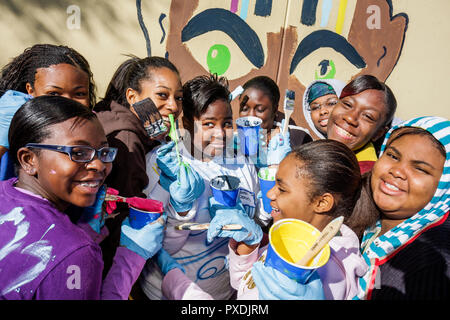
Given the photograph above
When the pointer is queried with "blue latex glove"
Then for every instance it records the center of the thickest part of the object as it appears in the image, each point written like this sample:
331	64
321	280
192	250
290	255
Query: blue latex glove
274	285
166	263
186	189
10	102
145	241
167	162
93	214
250	233
279	147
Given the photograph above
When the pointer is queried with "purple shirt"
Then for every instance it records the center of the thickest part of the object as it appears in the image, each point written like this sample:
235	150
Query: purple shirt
43	255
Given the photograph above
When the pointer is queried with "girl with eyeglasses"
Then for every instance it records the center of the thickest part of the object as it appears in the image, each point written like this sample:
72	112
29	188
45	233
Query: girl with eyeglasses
319	99
51	214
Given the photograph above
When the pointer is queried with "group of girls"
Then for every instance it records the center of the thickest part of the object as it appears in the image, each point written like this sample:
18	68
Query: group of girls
61	150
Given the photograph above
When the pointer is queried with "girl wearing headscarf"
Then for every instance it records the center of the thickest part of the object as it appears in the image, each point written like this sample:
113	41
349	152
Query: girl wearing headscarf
319	99
407	196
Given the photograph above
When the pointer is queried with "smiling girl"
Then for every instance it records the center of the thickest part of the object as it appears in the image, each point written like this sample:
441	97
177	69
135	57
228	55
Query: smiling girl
316	183
136	79
208	124
43	69
407	195
62	158
363	115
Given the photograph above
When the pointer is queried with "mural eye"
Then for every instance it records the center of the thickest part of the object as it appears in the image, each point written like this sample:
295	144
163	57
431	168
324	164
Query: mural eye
324	63
218	59
225	58
239	43
325	70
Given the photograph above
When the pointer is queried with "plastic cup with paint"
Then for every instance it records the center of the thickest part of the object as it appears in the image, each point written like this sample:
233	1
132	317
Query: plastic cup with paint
225	189
248	132
289	240
266	178
139	218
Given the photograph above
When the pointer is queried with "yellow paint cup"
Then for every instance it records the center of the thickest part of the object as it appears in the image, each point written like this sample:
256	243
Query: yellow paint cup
289	240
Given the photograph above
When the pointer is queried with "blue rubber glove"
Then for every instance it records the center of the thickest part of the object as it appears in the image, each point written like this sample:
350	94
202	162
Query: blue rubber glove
93	214
186	189
250	233
167	162
274	285
145	241
10	102
279	147
166	262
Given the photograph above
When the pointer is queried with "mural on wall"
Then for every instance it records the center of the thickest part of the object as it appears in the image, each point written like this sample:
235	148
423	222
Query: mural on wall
292	41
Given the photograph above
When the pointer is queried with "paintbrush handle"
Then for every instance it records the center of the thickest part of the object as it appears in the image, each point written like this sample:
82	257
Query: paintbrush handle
205	226
287	116
113	197
327	234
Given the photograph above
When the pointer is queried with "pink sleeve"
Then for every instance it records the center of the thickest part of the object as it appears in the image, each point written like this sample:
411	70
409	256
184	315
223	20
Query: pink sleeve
177	286
239	265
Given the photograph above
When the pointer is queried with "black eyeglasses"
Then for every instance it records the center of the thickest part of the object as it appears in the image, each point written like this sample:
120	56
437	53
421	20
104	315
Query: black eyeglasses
80	153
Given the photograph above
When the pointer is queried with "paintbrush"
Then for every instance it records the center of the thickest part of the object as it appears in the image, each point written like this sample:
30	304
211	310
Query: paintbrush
288	108
149	205
150	117
235	93
205	226
173	134
327	234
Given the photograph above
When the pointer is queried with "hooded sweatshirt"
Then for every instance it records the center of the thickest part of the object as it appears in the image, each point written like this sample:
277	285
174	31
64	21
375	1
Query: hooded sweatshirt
125	132
337	86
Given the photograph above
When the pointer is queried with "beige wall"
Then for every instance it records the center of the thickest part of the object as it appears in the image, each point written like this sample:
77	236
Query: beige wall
420	79
109	29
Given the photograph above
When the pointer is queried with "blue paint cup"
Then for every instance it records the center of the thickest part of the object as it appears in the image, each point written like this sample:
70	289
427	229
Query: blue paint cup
248	132
289	240
266	182
225	189
139	218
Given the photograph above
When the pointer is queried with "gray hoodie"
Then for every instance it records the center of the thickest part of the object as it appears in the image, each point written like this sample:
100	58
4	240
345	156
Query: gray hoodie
337	85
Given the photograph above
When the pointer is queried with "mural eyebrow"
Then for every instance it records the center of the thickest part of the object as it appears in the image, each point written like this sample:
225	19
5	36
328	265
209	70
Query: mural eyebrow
325	38
223	20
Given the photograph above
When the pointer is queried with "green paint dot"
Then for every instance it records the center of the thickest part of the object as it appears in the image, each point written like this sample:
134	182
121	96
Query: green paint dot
218	59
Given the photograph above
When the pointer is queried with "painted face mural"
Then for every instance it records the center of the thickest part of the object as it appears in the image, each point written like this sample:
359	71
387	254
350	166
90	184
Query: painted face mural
292	41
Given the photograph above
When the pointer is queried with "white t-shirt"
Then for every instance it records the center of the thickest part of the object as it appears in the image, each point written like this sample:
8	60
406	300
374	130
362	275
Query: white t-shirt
205	264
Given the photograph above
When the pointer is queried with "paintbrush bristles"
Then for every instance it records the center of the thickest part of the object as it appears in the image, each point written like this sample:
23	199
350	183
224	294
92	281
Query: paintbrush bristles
150	117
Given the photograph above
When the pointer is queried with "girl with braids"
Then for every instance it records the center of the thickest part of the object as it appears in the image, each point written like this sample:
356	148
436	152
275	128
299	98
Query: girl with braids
43	69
